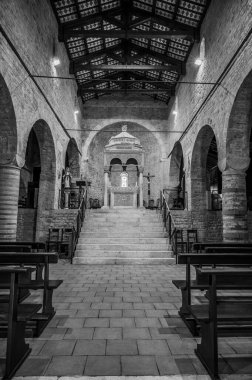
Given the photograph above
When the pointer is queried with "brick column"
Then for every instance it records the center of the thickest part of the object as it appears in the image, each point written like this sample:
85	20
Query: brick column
234	205
106	180
9	192
140	184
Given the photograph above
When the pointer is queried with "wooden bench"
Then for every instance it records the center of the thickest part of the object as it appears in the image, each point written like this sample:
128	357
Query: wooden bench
40	320
201	282
14	316
234	249
200	247
223	316
35	246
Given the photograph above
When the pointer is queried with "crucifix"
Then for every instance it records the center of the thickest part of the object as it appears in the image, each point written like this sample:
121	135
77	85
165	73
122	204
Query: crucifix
148	176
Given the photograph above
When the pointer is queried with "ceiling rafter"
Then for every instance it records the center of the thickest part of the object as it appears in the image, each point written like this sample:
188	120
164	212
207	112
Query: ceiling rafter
129	45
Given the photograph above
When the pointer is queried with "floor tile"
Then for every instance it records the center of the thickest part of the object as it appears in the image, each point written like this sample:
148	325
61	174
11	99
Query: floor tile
90	347
139	366
122	347
66	366
53	348
107	333
103	365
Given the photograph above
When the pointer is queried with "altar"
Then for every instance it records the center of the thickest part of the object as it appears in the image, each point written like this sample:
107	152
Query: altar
123	197
123	171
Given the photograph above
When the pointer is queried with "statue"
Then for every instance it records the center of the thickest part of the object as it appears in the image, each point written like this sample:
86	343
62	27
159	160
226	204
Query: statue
67	178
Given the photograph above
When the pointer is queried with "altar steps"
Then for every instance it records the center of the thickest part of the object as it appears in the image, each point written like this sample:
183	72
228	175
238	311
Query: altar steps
123	236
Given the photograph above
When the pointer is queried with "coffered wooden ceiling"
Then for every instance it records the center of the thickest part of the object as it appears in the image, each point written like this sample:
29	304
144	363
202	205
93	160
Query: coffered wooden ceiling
129	46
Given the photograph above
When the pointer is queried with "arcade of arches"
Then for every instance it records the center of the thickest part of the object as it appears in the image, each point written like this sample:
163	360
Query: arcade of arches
200	157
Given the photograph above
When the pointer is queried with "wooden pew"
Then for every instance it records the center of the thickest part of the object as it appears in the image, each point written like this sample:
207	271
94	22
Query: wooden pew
233	249
200	247
40	320
35	246
201	283
221	317
14	316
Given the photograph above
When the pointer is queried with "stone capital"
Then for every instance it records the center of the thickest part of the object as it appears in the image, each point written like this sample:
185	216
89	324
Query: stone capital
15	160
106	169
141	169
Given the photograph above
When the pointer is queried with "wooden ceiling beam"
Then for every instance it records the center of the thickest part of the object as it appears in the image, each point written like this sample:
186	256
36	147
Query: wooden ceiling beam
103	67
83	91
191	32
125	34
77	64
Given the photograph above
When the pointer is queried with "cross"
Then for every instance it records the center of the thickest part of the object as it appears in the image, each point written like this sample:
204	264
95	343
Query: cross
148	176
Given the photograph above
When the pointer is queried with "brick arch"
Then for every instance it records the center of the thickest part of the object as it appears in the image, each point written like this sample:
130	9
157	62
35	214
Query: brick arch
8	126
72	155
48	165
239	128
104	124
199	169
177	160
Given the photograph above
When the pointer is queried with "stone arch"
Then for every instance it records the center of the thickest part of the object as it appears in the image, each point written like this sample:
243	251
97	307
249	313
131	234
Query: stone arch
8	125
9	170
104	124
176	165
199	168
177	177
72	158
239	128
48	165
237	168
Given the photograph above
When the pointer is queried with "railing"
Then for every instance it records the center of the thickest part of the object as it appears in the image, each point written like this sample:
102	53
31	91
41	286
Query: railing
79	220
177	200
168	221
74	198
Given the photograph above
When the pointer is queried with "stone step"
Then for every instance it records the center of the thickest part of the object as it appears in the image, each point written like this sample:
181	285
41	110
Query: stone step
123	261
122	229
121	240
124	254
122	247
114	234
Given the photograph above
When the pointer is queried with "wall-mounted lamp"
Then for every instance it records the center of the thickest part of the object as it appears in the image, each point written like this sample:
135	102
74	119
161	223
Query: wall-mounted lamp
76	112
56	61
174	112
198	61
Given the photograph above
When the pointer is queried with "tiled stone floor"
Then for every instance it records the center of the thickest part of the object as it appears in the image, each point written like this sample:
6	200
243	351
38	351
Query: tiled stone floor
107	324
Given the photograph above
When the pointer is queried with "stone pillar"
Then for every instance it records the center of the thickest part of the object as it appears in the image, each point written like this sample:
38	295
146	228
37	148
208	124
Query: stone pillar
9	192
140	184
67	193
106	180
234	205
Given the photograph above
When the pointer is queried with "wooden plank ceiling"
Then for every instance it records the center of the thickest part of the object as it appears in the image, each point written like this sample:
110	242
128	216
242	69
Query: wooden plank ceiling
131	46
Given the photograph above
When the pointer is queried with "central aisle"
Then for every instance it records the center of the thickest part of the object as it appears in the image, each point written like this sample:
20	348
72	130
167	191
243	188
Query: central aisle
107	324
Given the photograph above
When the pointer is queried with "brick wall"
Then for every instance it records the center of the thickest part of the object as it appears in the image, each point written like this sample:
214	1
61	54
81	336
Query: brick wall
26	224
55	218
250	226
210	221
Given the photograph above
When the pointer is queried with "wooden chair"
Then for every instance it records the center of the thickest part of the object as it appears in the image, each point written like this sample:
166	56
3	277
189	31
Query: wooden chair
66	244
192	237
54	239
96	203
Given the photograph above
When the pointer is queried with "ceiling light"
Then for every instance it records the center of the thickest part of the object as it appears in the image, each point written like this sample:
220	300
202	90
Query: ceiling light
198	61
56	61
